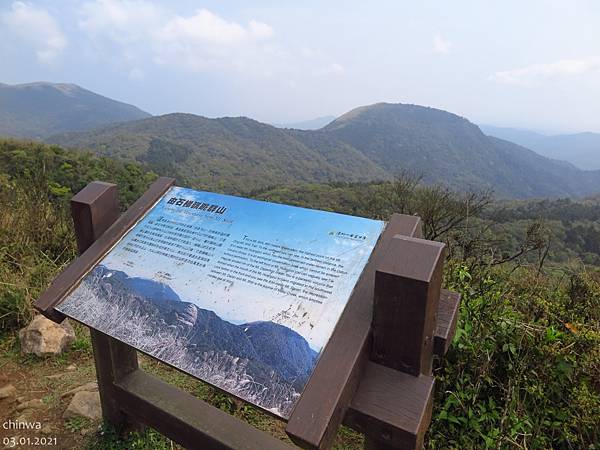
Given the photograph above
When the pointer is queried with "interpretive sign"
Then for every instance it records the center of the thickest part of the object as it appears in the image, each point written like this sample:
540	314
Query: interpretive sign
240	293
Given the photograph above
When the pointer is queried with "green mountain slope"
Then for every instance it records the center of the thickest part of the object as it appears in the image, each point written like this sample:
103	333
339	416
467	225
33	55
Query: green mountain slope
444	147
37	110
374	142
234	154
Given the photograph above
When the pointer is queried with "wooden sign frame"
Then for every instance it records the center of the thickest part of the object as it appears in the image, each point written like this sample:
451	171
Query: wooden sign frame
374	375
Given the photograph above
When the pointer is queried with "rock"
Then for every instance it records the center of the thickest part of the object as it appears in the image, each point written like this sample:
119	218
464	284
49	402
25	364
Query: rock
44	337
24	417
47	429
91	386
84	404
71	367
8	391
31	404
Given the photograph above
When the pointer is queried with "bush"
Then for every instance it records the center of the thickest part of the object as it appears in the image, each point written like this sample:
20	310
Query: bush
36	235
524	368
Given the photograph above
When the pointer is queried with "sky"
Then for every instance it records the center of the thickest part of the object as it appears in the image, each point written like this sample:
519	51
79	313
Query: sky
533	64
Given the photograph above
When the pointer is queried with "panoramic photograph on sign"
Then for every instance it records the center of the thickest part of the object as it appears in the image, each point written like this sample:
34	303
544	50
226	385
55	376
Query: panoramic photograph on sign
240	293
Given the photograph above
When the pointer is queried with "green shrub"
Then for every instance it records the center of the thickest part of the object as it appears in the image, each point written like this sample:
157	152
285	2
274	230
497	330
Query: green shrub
524	368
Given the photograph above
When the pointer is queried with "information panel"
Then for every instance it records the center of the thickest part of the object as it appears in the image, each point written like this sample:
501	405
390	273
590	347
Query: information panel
240	293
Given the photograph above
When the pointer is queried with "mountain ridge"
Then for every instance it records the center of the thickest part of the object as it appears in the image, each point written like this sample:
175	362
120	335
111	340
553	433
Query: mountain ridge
40	109
373	142
310	124
232	153
376	142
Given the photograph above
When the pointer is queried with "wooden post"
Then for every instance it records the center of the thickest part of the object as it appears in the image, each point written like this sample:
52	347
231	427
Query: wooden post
94	209
407	291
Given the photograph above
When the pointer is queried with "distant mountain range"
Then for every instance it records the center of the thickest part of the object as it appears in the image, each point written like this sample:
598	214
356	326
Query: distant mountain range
580	149
375	142
256	359
37	110
241	155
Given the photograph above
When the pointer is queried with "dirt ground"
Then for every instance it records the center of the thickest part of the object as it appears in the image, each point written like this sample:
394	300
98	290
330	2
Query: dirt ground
45	381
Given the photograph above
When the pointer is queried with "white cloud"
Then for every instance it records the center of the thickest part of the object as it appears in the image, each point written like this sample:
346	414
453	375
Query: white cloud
123	21
203	27
441	45
140	31
534	73
35	27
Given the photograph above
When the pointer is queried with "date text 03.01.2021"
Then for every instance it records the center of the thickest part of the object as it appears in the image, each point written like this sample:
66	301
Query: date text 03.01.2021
19	441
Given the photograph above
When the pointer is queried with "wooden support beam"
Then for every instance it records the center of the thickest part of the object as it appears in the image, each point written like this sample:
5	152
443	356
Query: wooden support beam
70	277
447	317
390	396
407	291
329	391
186	419
94	209
112	360
392	408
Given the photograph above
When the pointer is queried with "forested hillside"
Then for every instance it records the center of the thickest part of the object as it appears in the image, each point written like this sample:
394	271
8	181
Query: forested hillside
523	370
446	148
372	143
230	153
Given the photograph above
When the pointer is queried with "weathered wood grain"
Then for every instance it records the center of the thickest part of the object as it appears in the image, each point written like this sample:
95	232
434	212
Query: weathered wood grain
186	419
392	408
407	290
446	321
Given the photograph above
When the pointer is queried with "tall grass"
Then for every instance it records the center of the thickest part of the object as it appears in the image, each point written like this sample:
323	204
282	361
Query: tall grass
36	242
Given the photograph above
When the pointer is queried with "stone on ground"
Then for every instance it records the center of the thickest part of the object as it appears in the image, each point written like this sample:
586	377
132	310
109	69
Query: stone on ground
84	404
44	337
36	403
91	386
8	391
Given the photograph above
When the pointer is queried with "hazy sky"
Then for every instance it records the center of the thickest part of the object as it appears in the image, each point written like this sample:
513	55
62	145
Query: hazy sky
532	64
